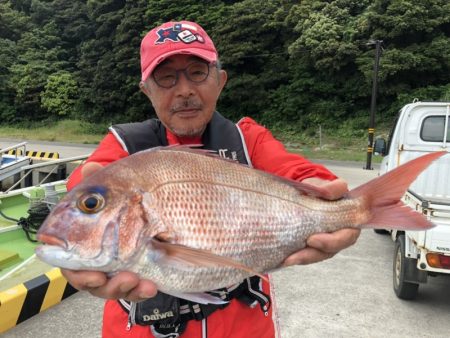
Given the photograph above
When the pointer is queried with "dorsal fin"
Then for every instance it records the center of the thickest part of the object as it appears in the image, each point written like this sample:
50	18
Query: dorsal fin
303	188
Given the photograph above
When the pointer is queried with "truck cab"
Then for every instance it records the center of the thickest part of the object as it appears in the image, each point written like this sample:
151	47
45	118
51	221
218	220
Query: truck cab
421	127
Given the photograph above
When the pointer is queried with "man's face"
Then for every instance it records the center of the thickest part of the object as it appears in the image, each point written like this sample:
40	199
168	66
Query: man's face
187	107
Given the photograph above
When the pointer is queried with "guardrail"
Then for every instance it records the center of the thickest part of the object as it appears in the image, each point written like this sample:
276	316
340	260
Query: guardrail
26	170
14	147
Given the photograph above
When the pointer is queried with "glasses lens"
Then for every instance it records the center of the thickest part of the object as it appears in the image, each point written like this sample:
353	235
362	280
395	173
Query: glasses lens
197	71
165	76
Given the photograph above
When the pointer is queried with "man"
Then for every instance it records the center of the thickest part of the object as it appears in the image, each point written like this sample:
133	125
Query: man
182	77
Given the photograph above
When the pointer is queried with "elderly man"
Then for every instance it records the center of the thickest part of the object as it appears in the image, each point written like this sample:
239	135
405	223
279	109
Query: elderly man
183	79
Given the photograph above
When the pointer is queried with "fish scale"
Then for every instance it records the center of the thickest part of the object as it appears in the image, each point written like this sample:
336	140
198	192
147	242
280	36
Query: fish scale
230	230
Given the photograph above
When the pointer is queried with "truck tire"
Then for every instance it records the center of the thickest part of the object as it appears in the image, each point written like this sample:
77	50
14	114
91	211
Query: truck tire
381	231
403	290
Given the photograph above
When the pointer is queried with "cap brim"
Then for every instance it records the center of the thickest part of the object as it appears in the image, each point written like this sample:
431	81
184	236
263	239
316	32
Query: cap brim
207	55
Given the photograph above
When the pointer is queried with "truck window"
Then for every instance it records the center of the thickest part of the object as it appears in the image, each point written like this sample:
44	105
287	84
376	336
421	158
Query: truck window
433	129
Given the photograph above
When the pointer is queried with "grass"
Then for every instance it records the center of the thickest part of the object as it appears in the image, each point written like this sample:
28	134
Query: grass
71	131
329	146
307	143
358	155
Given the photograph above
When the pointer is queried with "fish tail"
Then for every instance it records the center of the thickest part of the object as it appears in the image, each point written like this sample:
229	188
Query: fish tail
382	197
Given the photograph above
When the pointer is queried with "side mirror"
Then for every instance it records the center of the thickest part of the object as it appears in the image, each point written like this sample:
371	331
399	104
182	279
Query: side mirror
379	147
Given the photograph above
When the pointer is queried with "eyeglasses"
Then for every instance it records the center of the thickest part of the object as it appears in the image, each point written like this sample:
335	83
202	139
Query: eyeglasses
167	77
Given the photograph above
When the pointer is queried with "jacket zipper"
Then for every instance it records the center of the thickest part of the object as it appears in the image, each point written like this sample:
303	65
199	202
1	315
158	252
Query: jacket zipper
131	316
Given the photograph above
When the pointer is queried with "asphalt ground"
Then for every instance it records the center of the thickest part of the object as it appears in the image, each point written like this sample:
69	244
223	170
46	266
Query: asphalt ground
349	295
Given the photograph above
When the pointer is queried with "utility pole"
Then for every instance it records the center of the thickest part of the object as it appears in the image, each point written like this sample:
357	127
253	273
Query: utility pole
373	102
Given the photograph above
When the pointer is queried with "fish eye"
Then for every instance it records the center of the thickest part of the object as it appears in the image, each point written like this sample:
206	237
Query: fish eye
91	203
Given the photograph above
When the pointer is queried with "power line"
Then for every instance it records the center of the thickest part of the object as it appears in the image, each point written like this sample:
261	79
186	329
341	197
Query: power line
257	55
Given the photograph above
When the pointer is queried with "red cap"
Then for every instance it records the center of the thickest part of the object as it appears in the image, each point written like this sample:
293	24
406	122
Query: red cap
172	38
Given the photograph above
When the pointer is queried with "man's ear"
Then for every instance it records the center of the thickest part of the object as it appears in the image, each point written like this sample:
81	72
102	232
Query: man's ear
144	88
223	76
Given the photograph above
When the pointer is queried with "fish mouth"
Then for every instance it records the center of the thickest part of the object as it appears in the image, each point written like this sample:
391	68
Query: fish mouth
54	251
52	240
57	252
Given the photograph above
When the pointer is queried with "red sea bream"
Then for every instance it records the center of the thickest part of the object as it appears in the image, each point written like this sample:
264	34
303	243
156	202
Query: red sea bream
192	222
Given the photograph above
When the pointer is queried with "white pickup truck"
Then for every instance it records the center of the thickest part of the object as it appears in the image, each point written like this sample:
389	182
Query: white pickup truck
421	127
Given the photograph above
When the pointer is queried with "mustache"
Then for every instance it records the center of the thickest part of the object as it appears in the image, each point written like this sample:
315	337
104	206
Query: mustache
186	104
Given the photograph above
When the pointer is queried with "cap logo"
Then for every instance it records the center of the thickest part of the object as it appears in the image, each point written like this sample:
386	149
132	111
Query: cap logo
179	33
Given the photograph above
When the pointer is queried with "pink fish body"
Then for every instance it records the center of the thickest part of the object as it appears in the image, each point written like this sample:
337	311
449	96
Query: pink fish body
192	222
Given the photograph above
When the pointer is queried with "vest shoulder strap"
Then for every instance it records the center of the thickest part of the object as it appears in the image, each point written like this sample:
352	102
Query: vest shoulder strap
139	136
226	138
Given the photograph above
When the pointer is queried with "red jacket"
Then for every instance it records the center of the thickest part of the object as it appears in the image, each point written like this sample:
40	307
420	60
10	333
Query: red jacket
236	320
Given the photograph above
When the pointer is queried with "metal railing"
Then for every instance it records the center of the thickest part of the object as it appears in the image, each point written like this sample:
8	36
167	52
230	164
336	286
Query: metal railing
28	169
16	146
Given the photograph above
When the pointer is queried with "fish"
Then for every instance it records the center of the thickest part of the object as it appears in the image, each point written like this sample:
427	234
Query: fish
193	222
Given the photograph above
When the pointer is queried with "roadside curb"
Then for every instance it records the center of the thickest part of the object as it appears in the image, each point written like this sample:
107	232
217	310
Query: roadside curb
25	300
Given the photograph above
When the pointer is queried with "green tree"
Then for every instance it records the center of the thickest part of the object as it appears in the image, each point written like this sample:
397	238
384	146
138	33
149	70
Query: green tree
12	26
60	95
416	59
327	32
127	74
39	55
290	63
325	84
100	91
21	5
12	22
74	25
41	11
251	38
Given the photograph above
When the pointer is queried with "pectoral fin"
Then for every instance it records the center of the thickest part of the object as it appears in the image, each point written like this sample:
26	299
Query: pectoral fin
170	254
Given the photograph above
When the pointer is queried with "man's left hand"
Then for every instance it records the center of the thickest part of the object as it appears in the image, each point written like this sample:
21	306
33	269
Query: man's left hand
322	246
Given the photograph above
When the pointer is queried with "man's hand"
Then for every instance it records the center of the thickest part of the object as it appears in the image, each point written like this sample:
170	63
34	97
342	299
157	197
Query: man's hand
126	285
325	245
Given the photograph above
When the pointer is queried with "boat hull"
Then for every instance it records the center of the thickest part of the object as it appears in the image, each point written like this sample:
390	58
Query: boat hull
27	285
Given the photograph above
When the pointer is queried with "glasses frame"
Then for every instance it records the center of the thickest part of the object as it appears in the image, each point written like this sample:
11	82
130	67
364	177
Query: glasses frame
186	75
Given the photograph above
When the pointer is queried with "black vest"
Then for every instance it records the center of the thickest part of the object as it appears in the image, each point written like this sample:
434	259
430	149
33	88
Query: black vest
220	135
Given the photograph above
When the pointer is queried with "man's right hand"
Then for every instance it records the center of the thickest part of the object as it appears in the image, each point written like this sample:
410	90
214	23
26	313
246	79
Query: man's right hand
125	285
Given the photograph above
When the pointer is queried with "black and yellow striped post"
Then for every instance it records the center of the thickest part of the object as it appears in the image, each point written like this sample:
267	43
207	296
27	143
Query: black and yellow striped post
370	149
32	297
373	102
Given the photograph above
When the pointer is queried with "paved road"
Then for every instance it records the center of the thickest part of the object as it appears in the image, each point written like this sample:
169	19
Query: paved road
347	296
64	149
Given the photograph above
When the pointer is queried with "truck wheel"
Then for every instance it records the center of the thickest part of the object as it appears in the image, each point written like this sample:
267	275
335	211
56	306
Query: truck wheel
381	231
403	289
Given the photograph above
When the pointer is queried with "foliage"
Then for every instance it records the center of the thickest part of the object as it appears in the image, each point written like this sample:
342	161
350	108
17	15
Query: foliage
59	97
292	65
